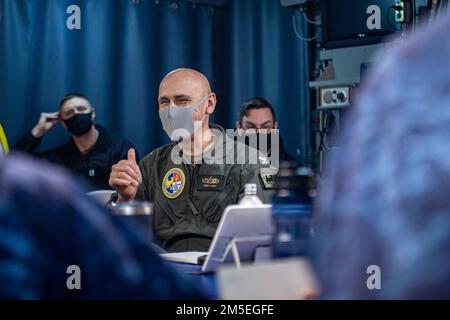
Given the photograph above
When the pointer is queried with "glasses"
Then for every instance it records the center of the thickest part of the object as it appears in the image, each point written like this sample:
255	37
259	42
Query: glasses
252	128
78	109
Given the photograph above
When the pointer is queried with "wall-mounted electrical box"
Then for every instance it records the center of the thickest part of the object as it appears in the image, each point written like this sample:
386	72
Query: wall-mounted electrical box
333	97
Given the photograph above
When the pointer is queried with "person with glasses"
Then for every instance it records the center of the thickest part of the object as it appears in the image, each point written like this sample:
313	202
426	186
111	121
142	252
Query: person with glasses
257	116
92	149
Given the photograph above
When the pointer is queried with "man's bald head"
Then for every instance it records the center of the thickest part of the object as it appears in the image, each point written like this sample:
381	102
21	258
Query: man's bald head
184	87
186	78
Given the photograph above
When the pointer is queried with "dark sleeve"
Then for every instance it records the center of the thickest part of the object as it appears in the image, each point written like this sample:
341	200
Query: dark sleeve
27	143
145	189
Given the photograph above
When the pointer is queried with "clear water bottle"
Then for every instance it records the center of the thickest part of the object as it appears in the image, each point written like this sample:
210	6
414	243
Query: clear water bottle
292	210
250	198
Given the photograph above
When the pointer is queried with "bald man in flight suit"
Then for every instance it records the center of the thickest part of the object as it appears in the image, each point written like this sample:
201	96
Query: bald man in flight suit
189	195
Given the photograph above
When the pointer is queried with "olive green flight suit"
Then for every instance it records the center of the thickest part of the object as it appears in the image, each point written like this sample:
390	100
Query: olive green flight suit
189	199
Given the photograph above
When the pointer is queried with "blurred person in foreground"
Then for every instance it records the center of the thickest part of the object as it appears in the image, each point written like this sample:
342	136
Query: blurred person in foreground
385	199
47	225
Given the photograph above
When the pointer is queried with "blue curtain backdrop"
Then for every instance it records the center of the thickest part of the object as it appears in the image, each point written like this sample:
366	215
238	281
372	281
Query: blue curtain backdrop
124	48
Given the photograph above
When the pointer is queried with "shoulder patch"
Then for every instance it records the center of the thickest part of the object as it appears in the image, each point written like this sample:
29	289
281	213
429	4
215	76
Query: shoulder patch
267	180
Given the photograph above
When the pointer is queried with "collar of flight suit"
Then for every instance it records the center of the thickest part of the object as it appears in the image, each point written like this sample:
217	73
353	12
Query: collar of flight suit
218	169
224	148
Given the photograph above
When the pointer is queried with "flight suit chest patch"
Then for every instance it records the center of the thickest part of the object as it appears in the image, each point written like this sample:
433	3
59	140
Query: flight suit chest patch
267	180
210	183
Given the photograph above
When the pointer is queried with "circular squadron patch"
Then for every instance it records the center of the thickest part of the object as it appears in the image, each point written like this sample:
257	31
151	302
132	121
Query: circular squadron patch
173	183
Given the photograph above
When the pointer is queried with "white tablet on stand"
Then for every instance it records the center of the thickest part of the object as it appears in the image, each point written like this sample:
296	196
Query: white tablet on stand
243	235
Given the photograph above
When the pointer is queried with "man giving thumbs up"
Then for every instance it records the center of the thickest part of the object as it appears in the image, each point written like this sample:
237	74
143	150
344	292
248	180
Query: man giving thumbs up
188	196
125	177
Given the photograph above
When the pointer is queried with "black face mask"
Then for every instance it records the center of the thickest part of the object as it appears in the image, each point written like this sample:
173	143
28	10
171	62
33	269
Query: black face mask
79	124
260	137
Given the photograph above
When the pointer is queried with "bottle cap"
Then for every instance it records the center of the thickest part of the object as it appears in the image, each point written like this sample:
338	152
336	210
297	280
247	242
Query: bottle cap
250	188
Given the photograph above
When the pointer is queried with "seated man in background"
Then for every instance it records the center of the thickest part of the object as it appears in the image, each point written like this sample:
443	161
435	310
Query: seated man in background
257	116
92	150
48	228
189	196
384	209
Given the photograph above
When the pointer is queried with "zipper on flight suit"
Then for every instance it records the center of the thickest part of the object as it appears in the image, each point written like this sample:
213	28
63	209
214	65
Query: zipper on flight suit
191	188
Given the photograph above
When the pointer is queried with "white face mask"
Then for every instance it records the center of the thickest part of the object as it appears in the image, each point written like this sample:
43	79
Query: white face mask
177	121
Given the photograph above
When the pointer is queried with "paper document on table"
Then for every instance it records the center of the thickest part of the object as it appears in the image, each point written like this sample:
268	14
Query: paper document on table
191	257
283	279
